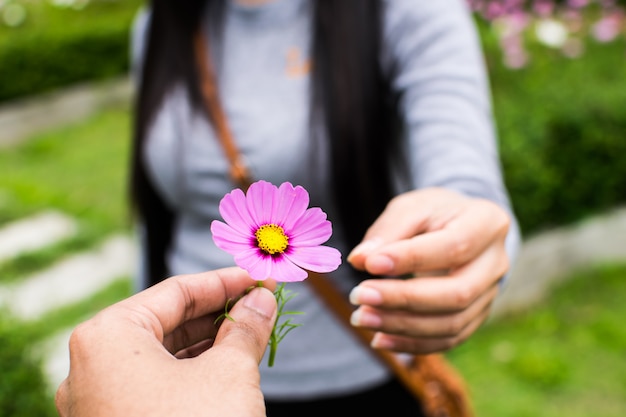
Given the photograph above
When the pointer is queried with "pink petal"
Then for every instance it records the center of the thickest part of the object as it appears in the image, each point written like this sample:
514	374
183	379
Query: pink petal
264	203
283	270
291	203
235	212
260	201
311	229
262	267
229	239
257	265
317	258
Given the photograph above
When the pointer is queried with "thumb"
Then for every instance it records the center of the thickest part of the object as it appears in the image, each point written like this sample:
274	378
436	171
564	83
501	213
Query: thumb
252	321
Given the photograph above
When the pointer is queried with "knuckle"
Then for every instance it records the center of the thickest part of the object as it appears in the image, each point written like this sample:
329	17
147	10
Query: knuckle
499	218
505	222
452	342
460	248
504	265
60	398
448	343
438	345
455	326
462	296
78	338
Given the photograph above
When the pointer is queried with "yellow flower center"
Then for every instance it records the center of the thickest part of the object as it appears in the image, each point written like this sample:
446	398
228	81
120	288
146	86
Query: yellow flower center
271	239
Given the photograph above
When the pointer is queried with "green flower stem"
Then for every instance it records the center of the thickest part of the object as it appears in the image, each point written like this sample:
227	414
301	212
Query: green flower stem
280	330
273	347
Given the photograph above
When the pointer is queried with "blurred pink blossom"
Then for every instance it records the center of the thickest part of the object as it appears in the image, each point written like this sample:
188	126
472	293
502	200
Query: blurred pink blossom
560	24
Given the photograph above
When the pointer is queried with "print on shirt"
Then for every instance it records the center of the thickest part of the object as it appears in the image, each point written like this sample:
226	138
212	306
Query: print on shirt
297	65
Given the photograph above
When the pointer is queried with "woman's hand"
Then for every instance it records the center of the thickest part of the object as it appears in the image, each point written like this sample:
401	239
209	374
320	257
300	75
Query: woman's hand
447	254
159	353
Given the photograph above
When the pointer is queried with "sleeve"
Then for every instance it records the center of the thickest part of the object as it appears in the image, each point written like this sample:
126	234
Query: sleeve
433	52
138	34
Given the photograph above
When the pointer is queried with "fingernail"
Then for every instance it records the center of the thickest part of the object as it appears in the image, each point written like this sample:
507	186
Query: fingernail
261	300
365	295
365	319
364	247
379	341
380	264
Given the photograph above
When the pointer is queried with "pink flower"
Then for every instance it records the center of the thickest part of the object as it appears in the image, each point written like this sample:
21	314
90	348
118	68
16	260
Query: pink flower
272	233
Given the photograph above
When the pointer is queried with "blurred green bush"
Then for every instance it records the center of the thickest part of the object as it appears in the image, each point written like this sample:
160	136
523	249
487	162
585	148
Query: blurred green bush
57	45
562	129
23	388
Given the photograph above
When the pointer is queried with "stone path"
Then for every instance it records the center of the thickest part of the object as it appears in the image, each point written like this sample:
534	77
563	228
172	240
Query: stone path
34	233
547	258
22	118
68	281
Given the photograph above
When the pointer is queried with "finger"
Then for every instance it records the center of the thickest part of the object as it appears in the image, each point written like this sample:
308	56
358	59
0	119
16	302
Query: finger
165	306
435	294
60	398
408	215
195	350
406	210
248	333
191	332
455	242
403	323
426	345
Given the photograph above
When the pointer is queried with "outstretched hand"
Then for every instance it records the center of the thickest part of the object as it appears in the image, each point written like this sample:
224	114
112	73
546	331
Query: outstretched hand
446	255
160	353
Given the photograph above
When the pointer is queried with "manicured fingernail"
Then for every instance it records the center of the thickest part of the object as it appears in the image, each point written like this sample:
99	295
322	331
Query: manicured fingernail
380	264
365	319
260	300
379	341
365	295
364	247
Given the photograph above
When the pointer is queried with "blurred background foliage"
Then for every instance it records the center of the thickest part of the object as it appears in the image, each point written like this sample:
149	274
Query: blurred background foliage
22	385
50	44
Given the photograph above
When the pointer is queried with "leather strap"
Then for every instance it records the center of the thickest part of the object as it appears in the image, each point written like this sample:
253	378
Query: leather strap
438	386
210	95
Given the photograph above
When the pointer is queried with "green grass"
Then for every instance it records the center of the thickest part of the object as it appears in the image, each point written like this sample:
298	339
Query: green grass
80	170
564	357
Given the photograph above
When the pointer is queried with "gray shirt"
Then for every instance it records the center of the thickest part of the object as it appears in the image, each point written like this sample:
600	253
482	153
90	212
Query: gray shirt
263	79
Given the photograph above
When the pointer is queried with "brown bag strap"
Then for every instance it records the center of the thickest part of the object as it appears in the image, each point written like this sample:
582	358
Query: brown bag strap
212	103
429	377
438	386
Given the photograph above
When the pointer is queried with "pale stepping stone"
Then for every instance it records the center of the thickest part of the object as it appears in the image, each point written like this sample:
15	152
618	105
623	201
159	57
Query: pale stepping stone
56	358
35	232
72	279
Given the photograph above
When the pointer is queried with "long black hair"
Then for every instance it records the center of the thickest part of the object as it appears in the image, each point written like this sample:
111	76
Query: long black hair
350	93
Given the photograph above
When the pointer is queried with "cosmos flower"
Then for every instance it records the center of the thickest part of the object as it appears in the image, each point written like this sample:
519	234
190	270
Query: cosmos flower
271	232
